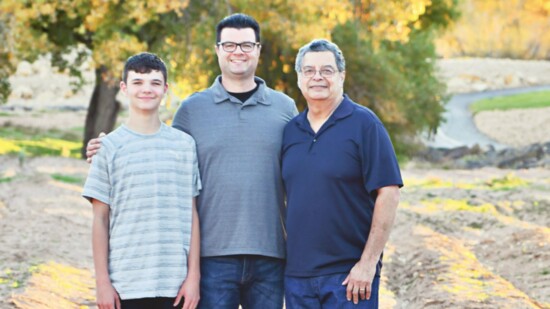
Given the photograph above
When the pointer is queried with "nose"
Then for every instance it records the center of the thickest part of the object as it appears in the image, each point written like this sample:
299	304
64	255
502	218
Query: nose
317	75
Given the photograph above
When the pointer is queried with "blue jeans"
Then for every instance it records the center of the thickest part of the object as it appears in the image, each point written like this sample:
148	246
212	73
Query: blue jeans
324	292
249	280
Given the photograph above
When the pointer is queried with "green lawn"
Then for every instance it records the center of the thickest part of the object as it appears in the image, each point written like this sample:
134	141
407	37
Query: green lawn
524	100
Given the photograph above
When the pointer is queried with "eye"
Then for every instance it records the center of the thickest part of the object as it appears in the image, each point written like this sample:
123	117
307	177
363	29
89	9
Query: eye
247	45
229	45
308	71
327	72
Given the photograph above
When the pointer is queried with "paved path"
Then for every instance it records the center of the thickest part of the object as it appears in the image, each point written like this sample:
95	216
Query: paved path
459	128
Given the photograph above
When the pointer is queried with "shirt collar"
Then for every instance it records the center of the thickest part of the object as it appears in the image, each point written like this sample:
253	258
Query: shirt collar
221	95
342	111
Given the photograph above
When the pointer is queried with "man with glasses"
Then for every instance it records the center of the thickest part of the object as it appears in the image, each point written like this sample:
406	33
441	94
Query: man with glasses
342	183
238	124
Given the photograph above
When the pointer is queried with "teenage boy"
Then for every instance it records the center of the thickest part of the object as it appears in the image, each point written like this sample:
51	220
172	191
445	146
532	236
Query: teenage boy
142	185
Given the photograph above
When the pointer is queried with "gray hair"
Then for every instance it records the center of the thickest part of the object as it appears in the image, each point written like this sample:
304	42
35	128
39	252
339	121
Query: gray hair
321	45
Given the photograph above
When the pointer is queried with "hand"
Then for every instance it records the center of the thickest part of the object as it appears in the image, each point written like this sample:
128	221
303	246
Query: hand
359	282
93	146
189	292
107	297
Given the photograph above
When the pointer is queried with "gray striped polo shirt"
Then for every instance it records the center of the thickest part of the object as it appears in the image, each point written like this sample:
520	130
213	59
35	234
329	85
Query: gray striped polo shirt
148	181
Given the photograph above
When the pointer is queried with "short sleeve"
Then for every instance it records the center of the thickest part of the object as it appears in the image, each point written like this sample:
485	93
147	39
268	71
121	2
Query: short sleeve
379	162
197	185
98	185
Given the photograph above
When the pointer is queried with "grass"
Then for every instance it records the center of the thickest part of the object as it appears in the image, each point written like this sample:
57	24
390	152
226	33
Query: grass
518	101
68	179
5	179
32	142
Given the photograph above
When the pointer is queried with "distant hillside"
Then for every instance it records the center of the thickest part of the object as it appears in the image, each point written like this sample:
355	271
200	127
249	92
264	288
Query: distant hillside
518	29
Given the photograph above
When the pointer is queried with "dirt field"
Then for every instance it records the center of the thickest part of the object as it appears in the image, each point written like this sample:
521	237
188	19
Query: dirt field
462	239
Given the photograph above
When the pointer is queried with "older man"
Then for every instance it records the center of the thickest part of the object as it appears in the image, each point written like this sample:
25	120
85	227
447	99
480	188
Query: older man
342	181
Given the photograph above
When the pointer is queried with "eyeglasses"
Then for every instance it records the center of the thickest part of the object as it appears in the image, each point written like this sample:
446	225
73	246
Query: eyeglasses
230	47
324	72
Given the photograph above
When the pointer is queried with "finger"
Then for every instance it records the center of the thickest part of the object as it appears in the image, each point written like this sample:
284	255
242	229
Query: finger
356	295
117	301
178	299
349	291
346	280
101	134
186	304
362	293
368	291
89	160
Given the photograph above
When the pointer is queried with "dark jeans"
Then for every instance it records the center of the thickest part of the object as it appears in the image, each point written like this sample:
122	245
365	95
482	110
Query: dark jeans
254	282
150	303
324	292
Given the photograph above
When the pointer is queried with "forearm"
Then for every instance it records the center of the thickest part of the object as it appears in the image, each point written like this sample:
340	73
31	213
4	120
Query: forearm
193	263
100	245
384	214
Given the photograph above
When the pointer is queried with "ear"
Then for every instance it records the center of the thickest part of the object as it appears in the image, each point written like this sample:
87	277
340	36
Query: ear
123	87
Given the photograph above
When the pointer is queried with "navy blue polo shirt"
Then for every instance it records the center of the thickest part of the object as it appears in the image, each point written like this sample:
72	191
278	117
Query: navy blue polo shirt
331	180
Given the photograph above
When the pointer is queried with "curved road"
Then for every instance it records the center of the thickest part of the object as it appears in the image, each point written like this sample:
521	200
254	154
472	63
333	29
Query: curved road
459	128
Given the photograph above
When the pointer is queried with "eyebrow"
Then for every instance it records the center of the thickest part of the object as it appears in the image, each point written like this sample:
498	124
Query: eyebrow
141	79
322	67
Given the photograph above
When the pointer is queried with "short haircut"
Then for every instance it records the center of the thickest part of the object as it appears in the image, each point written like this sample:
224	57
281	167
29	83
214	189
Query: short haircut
238	21
144	63
321	45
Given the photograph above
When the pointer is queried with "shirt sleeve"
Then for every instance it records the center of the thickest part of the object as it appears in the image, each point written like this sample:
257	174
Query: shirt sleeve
182	118
379	162
98	184
197	184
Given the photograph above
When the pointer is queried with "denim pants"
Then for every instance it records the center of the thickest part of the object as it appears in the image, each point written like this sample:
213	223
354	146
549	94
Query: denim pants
252	281
324	292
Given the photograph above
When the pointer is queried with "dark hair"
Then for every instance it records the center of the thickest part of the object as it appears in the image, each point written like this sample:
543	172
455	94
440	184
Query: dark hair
238	21
144	63
321	45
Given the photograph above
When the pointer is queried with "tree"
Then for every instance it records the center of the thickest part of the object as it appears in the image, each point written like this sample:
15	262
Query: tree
109	32
388	45
6	66
391	64
500	28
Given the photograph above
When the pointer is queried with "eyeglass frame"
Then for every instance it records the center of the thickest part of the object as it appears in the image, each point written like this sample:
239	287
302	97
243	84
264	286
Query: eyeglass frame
238	45
314	71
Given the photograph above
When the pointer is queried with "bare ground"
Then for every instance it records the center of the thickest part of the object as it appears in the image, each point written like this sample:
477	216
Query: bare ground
462	239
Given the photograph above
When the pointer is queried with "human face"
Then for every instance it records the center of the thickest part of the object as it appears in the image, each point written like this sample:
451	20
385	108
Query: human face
238	64
144	90
318	88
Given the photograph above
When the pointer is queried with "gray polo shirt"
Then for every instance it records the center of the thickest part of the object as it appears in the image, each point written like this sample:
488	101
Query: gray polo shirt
241	205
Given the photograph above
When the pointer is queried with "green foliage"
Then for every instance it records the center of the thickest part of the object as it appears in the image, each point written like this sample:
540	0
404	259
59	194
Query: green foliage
524	100
388	45
5	179
28	133
68	179
6	67
508	182
397	79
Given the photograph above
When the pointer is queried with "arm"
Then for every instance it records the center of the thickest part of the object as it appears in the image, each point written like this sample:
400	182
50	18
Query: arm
107	296
191	285
362	274
93	146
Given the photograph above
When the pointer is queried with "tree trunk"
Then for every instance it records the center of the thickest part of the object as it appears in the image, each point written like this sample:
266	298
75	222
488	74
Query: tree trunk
103	109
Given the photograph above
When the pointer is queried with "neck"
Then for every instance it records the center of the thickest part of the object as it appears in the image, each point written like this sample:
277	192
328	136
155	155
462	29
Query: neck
144	123
232	84
323	109
319	112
